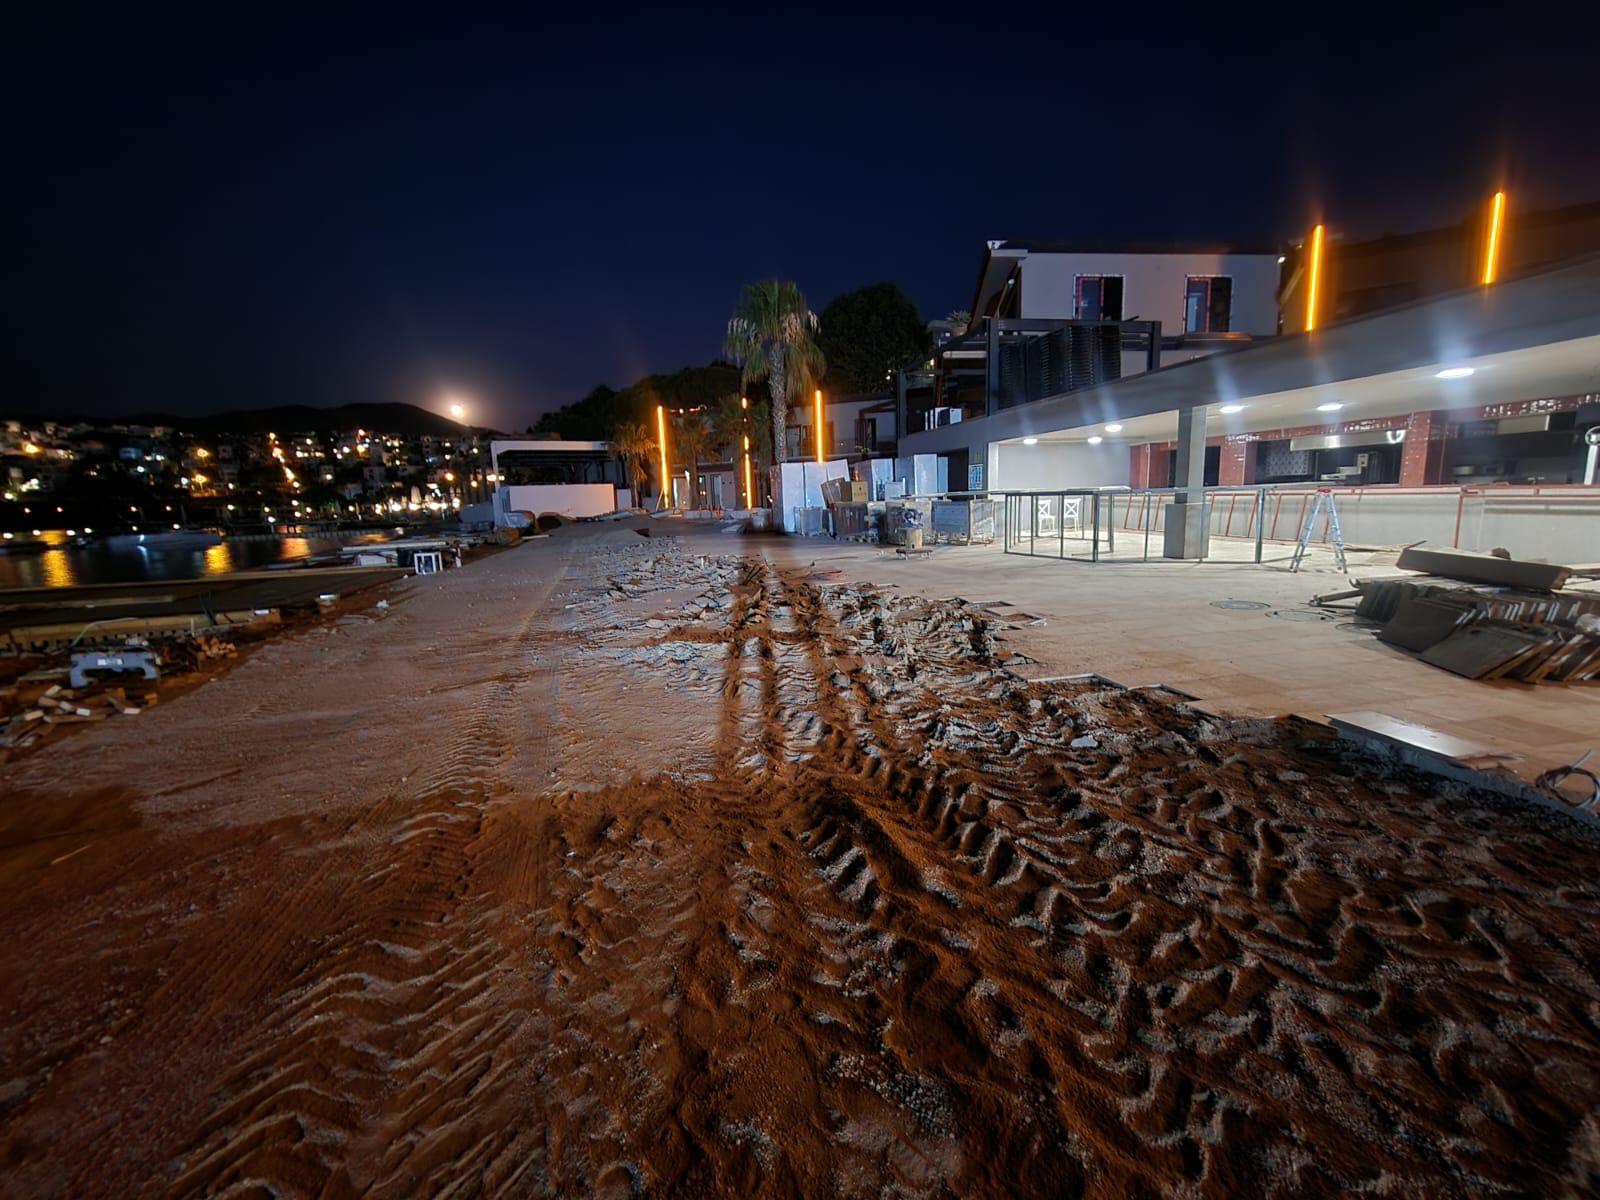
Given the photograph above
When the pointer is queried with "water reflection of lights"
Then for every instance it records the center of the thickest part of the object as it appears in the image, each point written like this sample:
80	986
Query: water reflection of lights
55	566
217	560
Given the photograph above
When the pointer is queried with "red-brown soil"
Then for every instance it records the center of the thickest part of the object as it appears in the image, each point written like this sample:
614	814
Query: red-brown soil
622	870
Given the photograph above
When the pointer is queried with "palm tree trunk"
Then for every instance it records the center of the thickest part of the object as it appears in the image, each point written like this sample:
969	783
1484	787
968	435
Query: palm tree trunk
778	388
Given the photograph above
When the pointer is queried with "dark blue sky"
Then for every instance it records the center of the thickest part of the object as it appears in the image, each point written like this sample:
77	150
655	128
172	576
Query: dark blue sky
236	206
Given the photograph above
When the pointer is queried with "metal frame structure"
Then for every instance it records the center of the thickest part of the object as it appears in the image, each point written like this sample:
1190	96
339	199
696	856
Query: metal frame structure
1023	509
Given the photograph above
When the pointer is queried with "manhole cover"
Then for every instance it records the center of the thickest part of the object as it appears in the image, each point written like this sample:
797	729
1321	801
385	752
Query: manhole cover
1242	605
1300	614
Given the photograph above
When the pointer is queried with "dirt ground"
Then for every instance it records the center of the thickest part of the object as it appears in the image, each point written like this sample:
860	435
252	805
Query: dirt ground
620	866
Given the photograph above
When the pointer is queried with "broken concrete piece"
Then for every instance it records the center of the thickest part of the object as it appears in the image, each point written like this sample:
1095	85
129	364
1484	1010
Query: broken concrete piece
1483	568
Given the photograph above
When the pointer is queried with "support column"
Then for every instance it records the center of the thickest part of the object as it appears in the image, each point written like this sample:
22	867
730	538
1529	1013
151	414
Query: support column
1422	461
1237	466
1187	529
991	363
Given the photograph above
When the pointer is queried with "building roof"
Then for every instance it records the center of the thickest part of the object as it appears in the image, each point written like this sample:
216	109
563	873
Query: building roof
1535	335
1053	246
1541	219
547	446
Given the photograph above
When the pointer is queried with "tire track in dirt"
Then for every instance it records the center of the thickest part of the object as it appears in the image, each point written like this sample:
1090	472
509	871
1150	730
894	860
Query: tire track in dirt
409	987
1132	944
880	928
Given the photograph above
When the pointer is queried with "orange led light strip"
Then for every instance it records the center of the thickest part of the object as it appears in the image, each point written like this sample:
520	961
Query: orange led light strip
661	434
1315	281
1491	256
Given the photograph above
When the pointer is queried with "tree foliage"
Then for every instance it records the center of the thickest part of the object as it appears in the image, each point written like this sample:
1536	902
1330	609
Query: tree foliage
598	416
635	446
772	336
868	335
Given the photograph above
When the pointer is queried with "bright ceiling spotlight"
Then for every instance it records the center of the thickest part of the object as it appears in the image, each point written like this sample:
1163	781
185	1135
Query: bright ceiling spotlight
1114	427
1096	440
1030	441
1331	406
1230	409
1455	372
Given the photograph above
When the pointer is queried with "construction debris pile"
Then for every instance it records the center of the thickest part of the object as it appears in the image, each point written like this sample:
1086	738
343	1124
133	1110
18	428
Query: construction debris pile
36	709
118	681
1489	632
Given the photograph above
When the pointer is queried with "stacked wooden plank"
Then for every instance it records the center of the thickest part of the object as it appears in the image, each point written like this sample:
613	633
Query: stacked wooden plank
1489	632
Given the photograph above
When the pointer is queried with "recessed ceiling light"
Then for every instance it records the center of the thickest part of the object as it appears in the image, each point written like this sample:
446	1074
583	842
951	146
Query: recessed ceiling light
1331	406
1030	441
1230	409
1114	427
1455	372
1282	258
1096	440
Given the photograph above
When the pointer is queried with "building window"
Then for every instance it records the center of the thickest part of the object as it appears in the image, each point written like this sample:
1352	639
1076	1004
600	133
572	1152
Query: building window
1208	304
1099	297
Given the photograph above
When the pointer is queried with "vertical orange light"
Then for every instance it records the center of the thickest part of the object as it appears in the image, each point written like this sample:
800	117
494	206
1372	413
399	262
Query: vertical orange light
661	437
1491	254
819	426
749	488
1314	281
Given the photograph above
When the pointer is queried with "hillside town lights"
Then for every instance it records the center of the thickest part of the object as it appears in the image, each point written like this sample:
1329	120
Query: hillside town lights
1491	252
1314	278
661	436
819	426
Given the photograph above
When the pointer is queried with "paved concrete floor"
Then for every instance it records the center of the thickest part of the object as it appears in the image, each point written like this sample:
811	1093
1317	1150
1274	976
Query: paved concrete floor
1156	622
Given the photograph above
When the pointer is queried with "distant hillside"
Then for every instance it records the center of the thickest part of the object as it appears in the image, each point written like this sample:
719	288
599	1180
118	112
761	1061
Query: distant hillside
597	415
295	418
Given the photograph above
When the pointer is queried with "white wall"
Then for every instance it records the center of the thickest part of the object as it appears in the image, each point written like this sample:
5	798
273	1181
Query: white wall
1153	286
568	499
1050	466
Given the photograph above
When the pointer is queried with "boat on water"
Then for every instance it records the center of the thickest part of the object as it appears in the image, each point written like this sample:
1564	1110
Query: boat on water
165	539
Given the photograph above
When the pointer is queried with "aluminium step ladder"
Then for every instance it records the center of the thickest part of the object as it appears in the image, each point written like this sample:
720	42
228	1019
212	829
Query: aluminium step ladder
1335	534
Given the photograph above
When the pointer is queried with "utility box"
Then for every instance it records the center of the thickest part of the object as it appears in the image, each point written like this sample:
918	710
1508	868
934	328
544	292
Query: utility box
963	521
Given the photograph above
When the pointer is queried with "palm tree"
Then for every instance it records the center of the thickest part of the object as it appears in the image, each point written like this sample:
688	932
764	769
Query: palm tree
772	336
635	447
692	435
731	422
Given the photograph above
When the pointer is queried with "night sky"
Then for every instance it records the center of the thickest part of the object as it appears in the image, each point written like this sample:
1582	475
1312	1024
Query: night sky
239	206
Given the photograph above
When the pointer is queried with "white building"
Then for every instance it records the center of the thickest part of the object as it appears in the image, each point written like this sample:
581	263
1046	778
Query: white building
547	477
1196	292
1050	319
